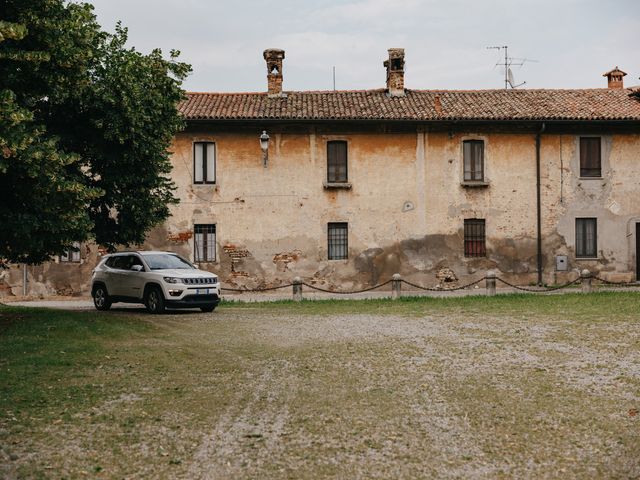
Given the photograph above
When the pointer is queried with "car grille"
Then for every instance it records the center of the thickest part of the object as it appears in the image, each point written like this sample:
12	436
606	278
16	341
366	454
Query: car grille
199	281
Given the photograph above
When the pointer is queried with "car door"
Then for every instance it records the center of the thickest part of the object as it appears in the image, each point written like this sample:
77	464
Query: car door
116	274
133	281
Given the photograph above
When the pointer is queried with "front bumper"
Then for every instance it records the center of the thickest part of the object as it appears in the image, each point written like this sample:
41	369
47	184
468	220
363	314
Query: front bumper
194	301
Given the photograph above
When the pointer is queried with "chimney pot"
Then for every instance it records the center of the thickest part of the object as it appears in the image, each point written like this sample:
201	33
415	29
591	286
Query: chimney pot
437	104
615	78
395	72
274	58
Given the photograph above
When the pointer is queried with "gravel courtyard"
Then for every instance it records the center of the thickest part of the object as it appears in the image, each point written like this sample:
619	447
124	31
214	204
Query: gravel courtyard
507	387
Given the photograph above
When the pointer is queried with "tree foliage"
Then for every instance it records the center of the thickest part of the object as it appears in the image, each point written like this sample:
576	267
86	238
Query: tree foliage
85	127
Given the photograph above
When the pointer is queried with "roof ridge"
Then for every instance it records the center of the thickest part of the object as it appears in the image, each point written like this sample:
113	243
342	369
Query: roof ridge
422	90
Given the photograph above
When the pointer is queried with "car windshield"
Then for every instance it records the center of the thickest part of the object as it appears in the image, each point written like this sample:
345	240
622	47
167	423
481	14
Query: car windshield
162	261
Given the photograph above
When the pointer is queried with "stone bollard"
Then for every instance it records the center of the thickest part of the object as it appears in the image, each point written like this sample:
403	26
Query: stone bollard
297	289
396	286
491	283
585	279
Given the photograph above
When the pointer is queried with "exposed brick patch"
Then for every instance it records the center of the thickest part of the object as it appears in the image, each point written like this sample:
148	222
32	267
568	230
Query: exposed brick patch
236	254
446	276
282	260
180	237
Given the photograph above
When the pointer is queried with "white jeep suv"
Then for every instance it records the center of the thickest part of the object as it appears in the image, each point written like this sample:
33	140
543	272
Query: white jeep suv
158	279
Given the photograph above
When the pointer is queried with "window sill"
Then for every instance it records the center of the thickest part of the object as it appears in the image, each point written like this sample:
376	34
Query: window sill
474	184
590	178
593	259
342	185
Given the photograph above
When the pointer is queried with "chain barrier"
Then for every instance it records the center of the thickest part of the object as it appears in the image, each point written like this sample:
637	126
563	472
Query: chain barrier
617	284
539	289
434	289
346	293
267	289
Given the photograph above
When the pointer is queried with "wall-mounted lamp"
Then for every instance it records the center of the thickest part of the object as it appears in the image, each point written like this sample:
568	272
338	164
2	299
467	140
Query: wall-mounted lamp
264	145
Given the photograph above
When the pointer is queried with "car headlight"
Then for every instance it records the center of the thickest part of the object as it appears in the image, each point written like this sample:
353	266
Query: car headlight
172	280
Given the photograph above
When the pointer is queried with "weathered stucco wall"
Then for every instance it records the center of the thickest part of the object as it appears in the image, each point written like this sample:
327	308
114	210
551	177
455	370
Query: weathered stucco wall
405	209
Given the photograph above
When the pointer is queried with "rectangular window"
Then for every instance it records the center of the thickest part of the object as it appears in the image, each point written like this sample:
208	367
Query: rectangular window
71	254
337	162
338	234
586	237
474	238
204	240
473	153
204	162
590	164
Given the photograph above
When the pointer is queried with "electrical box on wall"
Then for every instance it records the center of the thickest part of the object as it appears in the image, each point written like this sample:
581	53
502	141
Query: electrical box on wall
562	263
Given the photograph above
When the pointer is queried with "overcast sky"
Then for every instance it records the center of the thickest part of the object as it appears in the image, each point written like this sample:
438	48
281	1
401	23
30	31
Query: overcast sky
573	42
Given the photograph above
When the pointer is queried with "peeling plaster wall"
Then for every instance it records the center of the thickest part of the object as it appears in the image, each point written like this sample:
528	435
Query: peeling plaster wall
406	208
52	278
613	199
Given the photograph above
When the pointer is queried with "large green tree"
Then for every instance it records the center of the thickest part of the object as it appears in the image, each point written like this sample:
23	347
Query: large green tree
85	127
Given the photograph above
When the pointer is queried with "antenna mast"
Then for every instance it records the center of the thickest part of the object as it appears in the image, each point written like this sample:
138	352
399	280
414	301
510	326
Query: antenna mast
508	62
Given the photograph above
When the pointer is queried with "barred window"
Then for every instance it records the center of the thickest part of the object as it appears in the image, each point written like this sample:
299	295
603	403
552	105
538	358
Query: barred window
204	240
473	153
590	161
204	162
586	237
474	238
71	254
337	162
338	234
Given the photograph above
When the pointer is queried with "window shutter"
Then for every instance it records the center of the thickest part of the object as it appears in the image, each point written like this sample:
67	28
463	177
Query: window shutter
198	162
590	161
211	162
337	162
473	160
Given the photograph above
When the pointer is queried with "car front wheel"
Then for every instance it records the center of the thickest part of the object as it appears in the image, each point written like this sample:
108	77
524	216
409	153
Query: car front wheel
155	301
101	298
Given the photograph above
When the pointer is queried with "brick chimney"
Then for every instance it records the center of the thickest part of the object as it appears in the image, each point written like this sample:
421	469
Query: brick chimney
615	78
274	57
395	72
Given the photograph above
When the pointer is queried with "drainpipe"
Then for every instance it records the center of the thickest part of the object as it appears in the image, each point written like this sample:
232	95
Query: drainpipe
538	203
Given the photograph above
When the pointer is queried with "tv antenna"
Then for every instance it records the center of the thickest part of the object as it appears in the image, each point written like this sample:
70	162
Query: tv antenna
508	63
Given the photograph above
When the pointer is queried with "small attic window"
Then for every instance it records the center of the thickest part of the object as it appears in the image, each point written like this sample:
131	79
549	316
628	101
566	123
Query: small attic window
396	64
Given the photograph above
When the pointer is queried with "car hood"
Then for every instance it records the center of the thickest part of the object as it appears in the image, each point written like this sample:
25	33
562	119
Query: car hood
184	273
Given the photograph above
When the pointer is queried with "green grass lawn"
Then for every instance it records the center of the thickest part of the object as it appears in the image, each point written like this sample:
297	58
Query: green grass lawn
516	386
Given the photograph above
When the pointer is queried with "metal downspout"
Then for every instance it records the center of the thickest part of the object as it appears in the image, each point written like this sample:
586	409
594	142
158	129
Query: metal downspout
538	204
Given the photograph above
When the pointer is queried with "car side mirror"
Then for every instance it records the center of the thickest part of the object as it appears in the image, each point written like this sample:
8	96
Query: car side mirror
137	268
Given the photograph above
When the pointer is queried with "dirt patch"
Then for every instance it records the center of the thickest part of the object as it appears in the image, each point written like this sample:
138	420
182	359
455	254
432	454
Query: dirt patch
272	393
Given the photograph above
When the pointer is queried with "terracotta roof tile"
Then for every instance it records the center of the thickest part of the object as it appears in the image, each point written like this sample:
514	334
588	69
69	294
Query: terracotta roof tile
417	105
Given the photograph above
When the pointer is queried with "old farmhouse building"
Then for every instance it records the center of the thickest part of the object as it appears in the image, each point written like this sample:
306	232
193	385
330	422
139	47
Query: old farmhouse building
346	188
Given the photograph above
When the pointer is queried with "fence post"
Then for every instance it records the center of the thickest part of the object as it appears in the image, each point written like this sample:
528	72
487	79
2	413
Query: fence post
491	283
396	286
297	289
585	279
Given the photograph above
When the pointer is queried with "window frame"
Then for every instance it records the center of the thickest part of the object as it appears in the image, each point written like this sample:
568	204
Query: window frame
472	171
205	247
335	179
475	237
69	255
588	172
581	247
205	178
337	228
